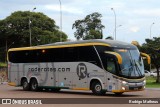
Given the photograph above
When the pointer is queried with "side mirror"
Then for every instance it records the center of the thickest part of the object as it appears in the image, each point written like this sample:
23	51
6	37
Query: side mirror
146	56
117	55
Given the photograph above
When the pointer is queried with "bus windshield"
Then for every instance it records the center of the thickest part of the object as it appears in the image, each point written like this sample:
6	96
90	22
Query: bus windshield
132	63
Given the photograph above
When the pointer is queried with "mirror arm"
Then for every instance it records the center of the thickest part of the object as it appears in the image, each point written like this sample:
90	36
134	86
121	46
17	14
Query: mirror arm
147	56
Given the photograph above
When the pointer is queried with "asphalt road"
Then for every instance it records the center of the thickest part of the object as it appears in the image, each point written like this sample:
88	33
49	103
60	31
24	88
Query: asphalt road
17	92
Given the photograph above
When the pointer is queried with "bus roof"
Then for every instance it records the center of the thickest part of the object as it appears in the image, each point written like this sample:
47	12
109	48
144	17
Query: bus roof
109	43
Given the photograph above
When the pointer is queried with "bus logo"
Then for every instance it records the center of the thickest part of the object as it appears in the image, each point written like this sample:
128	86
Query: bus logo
81	71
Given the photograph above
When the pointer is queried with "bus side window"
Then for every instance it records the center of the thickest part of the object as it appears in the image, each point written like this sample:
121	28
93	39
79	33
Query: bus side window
71	54
88	54
111	67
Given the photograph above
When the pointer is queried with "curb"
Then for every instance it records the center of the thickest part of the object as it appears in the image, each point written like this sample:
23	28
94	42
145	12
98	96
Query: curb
158	89
4	83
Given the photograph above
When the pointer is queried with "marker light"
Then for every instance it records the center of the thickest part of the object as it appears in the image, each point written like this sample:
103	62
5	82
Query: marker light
124	82
144	81
43	51
123	88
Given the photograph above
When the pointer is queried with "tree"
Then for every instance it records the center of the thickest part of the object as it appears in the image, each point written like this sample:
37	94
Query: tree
14	31
152	47
89	28
49	38
15	28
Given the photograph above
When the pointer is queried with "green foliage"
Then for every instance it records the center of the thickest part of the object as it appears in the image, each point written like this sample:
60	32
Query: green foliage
3	64
14	31
89	28
49	38
151	83
15	28
151	47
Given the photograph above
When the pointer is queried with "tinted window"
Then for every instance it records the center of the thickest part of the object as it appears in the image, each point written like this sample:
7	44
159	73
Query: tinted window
88	54
111	66
55	55
71	54
101	50
27	56
40	55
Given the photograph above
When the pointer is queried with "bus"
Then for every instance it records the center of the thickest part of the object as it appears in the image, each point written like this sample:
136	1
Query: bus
97	65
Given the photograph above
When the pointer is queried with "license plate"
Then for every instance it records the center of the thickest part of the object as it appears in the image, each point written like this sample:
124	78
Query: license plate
135	88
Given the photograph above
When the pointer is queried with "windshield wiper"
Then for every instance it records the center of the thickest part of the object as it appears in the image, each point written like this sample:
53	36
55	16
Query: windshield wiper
134	64
130	71
127	68
137	68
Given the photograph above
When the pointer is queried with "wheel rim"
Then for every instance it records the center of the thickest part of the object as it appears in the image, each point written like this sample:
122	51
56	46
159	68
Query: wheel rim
25	84
98	88
34	85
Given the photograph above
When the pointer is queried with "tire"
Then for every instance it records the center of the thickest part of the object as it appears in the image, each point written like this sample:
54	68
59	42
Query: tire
25	85
34	85
96	88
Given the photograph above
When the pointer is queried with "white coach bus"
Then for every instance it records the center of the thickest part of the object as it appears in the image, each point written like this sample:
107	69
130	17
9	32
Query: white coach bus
98	65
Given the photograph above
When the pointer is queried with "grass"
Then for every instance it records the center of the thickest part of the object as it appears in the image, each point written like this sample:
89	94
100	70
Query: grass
2	64
151	82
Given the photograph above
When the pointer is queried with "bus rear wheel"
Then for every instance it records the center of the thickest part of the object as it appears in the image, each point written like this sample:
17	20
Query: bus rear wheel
97	88
34	85
25	85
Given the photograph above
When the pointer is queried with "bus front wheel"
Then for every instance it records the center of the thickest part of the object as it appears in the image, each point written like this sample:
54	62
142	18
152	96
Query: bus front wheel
25	85
34	85
97	88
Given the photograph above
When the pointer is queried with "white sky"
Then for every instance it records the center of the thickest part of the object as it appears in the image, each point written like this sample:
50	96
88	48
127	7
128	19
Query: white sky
135	16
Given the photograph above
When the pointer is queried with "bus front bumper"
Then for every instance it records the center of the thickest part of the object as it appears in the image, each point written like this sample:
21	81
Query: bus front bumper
130	87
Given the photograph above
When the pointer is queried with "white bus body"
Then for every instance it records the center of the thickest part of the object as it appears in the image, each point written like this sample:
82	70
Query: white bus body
97	65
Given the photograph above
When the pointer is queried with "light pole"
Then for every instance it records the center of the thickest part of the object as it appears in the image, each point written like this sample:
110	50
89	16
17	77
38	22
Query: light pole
30	32
151	29
150	38
7	47
116	28
115	21
60	20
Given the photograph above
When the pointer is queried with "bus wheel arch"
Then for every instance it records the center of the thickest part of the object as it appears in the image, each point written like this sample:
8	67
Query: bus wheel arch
33	84
25	84
96	87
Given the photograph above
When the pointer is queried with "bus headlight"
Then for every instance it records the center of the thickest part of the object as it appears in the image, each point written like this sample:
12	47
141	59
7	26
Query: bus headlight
124	82
144	82
144	87
123	88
